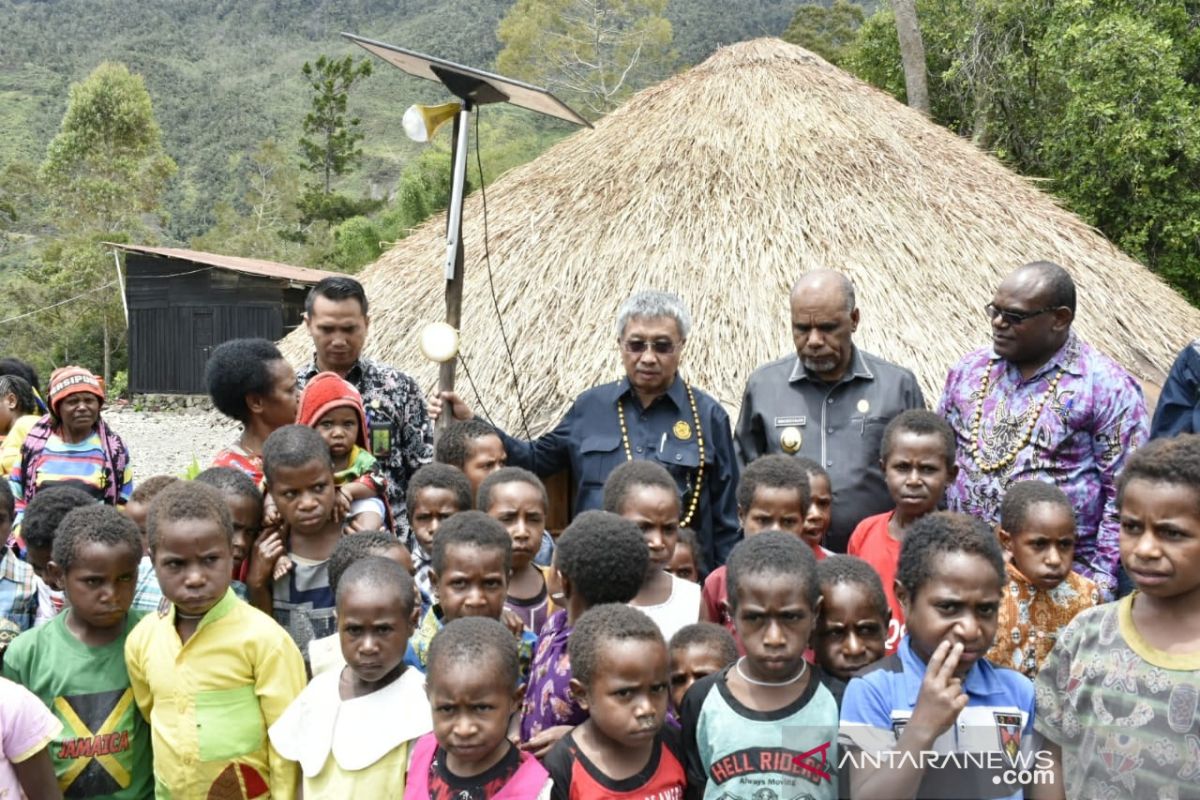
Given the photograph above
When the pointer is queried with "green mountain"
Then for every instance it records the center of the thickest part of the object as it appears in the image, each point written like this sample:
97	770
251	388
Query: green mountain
225	74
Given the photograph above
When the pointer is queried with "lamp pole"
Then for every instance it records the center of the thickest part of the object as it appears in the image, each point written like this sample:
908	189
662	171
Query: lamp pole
455	254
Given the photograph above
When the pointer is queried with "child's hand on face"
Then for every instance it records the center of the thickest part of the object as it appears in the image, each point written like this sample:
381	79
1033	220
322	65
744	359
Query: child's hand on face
264	557
942	698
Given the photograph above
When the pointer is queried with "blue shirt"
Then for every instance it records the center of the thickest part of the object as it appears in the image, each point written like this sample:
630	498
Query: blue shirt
1178	409
994	733
588	441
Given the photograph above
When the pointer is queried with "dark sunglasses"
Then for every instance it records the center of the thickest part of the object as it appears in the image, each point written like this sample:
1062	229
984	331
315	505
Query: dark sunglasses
663	347
1015	317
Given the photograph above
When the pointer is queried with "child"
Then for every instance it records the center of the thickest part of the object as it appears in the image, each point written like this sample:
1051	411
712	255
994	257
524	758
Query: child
146	596
250	381
853	624
645	493
26	731
600	558
819	514
686	563
18	583
1043	593
697	651
938	693
352	729
18	413
245	502
335	410
772	494
1116	697
516	498
210	674
472	689
917	456
619	674
43	515
76	662
770	703
299	474
326	654
435	493
472	559
474	447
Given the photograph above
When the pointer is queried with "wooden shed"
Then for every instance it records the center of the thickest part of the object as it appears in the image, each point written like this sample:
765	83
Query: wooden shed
183	303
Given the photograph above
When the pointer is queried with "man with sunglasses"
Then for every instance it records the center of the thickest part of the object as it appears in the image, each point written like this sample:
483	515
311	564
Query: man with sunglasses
1041	404
651	413
829	402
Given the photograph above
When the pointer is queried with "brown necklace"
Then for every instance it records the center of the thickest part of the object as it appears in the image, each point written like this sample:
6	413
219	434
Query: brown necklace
695	499
1010	457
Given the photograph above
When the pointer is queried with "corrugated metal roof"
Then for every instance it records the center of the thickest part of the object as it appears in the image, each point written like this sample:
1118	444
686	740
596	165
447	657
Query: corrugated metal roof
250	266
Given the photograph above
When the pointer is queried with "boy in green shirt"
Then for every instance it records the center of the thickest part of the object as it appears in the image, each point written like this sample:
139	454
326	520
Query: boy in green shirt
76	662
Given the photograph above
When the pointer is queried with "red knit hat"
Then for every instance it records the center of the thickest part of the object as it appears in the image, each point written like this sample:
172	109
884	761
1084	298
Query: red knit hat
66	381
325	392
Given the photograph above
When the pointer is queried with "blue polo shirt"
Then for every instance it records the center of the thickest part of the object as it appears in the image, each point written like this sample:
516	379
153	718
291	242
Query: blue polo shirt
976	757
588	441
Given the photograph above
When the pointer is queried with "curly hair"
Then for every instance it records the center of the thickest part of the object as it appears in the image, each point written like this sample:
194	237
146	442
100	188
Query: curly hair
470	529
454	443
439	476
772	553
1023	494
773	472
187	500
229	480
47	510
943	533
145	491
94	524
237	368
602	625
19	388
378	574
508	475
477	642
706	634
1172	461
355	547
294	446
853	571
632	475
920	422
604	556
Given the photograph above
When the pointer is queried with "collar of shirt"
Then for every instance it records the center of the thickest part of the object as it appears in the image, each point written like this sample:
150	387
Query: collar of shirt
858	369
223	607
1065	358
675	392
981	680
352	376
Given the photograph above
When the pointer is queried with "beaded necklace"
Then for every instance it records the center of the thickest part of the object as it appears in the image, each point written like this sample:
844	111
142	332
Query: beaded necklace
687	520
1010	457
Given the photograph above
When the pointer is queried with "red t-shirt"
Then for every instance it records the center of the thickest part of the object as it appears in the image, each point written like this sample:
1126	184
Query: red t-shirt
872	543
577	778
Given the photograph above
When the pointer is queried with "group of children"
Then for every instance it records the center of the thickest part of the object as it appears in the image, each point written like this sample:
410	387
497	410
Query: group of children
488	659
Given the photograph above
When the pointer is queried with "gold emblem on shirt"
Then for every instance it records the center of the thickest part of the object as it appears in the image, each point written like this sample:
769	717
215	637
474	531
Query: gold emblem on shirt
863	406
790	440
682	431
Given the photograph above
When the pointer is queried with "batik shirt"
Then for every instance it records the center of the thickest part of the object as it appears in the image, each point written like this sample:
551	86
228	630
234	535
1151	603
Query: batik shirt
1095	417
1126	715
1031	618
390	396
548	699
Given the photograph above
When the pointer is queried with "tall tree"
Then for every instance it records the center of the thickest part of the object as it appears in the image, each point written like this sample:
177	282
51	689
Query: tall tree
593	52
331	137
912	54
105	173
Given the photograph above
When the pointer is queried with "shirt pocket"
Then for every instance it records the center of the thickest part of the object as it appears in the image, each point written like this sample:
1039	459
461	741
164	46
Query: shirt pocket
229	723
599	454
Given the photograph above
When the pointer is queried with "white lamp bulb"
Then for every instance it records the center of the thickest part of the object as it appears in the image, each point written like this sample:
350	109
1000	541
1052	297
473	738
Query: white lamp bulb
439	342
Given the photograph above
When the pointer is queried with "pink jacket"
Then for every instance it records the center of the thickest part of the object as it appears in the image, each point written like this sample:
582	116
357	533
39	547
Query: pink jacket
528	781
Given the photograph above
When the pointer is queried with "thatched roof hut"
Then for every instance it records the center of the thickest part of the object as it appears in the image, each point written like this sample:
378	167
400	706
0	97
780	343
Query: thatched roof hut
724	183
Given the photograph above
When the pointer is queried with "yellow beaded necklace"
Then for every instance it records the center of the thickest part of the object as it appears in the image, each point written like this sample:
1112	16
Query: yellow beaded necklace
1010	457
695	498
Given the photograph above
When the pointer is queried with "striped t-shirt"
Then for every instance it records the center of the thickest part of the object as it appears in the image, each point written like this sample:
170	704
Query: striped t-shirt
84	463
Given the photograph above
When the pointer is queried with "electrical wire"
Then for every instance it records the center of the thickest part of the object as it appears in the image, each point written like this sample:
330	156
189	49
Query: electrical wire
487	259
475	389
59	303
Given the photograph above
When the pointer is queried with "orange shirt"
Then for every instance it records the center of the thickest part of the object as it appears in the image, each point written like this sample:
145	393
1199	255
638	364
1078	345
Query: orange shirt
872	543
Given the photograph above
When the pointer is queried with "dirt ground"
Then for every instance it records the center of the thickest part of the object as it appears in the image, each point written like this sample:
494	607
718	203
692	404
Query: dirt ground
166	442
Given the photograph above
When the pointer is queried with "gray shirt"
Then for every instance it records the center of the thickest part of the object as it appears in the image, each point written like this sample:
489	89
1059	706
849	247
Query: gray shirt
840	426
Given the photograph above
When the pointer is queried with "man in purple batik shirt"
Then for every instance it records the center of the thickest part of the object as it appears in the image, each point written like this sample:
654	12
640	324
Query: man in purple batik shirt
1040	404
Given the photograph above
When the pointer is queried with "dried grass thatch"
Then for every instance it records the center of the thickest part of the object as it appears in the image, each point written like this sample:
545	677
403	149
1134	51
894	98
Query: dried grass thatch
724	183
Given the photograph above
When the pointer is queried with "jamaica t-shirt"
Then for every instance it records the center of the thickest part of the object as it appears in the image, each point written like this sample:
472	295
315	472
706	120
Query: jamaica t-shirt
104	747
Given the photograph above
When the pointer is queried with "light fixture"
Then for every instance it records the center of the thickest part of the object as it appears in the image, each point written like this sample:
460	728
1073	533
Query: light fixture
420	123
439	342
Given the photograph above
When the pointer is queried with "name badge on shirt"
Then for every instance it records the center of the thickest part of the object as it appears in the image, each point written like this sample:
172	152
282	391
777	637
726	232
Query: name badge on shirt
791	422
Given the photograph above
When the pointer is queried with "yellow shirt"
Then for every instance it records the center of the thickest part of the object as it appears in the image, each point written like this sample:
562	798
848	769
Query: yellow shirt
209	702
10	451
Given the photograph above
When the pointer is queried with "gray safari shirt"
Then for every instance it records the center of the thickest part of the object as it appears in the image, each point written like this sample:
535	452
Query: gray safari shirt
840	426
